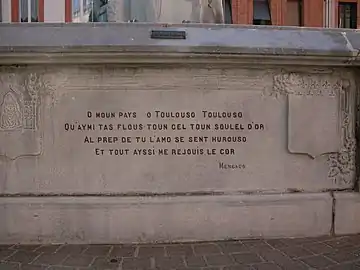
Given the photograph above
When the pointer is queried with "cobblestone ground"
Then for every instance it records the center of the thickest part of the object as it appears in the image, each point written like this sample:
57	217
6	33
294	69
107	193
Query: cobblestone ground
304	253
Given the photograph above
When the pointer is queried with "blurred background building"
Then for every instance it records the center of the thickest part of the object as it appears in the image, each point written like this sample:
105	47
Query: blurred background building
308	13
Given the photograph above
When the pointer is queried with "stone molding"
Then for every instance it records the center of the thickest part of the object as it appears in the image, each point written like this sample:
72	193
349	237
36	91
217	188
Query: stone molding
123	43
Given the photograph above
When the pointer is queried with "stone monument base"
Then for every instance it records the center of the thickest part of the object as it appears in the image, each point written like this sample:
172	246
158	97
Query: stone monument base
166	219
132	133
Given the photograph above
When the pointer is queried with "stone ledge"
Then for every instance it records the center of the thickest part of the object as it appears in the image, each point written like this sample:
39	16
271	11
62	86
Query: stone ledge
164	219
347	213
131	43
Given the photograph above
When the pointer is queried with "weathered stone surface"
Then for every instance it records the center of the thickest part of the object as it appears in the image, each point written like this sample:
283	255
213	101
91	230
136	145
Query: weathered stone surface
21	129
347	213
114	220
119	130
286	126
200	38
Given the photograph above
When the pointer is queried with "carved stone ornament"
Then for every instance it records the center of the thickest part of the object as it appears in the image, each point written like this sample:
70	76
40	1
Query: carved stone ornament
20	114
306	84
341	162
11	112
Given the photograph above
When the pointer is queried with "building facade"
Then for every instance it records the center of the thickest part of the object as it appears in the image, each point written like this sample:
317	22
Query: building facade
307	13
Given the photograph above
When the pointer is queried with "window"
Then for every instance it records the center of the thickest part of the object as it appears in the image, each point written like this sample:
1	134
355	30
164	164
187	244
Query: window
27	11
261	12
294	13
160	11
227	11
347	15
81	10
98	11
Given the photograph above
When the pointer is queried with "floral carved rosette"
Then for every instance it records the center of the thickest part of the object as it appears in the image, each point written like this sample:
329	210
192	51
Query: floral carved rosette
342	164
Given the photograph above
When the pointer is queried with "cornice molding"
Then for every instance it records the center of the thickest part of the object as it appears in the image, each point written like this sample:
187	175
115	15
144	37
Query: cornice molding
128	44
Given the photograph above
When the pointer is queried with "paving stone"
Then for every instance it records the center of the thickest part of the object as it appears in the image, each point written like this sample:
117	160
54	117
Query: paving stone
266	266
72	249
98	250
50	259
136	263
123	251
282	260
6	246
179	250
252	240
298	241
48	248
195	261
319	248
33	267
247	258
4	253
151	251
355	251
219	260
26	247
101	263
342	242
318	261
294	265
23	256
274	256
186	268
321	238
342	257
78	260
257	246
296	252
277	243
233	247
332	253
255	243
9	266
206	249
169	262
62	268
189	268
346	266
239	267
355	240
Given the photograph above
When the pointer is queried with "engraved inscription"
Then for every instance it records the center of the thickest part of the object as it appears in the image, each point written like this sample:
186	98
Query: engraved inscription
163	133
139	127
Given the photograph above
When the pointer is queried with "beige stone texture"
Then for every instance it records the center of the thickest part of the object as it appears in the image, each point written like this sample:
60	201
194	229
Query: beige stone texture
40	154
347	213
121	220
81	161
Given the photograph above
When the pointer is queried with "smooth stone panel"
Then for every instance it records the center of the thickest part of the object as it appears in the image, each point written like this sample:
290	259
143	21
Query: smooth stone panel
347	213
163	219
314	132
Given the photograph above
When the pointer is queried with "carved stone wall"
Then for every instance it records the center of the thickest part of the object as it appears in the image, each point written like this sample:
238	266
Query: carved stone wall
321	100
306	142
21	95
